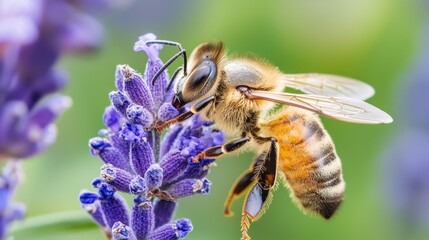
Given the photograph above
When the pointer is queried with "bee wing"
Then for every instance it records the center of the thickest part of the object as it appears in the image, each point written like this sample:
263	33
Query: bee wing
340	108
328	85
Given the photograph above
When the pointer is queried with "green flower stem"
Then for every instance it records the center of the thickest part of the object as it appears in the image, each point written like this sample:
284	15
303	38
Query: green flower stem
57	226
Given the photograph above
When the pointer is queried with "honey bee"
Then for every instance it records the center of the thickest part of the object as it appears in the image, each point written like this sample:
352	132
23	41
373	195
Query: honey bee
239	93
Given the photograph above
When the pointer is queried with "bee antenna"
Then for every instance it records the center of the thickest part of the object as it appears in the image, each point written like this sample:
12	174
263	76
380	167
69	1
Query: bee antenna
171	60
173	77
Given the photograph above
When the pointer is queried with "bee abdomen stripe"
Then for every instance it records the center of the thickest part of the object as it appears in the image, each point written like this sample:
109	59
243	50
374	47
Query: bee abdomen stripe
331	182
325	160
325	151
319	203
320	187
312	130
292	118
333	193
329	158
323	178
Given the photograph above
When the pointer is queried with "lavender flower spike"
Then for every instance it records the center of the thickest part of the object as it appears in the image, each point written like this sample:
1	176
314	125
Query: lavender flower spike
157	171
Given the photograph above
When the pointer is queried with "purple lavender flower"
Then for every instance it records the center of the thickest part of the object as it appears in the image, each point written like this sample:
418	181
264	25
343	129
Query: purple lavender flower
9	181
137	161
415	95
406	162
406	177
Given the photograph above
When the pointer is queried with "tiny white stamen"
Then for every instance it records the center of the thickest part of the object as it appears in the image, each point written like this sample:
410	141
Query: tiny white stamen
198	185
90	208
127	72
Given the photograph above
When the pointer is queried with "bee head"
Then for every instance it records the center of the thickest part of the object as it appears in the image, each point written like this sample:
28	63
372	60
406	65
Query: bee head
204	62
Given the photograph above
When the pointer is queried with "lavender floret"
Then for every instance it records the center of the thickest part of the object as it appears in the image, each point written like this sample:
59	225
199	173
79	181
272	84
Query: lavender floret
121	231
178	229
142	218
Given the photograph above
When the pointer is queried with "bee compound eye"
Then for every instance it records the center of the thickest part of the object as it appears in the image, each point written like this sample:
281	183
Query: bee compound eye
200	76
199	82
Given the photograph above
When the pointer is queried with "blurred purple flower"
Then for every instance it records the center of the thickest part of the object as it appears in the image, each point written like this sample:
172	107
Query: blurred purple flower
33	36
406	162
415	93
407	178
138	162
9	181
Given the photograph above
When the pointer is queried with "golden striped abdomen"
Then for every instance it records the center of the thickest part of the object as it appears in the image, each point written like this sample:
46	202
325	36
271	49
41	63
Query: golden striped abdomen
308	160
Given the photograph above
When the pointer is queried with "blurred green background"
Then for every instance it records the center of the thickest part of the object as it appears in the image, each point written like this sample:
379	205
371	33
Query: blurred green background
375	41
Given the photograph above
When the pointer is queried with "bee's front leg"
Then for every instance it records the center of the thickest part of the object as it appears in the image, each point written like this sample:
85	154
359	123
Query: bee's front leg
186	115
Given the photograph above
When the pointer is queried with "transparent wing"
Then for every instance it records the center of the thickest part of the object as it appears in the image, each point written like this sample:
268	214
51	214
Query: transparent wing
340	108
328	85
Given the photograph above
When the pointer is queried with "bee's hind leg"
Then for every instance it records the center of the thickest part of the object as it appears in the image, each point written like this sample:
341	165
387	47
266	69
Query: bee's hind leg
259	197
241	184
247	179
